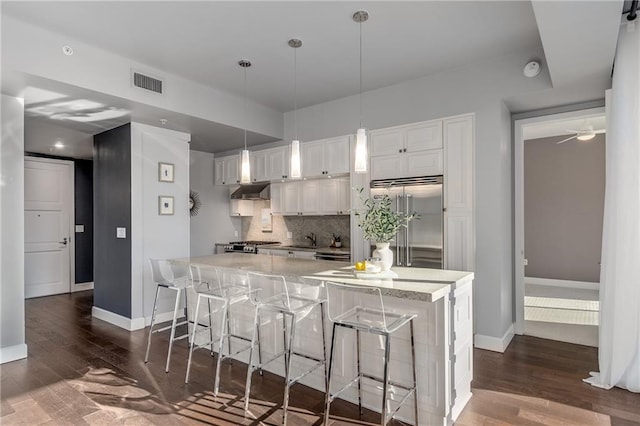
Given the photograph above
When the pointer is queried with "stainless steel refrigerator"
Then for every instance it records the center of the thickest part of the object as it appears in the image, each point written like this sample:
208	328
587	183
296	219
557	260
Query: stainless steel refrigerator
421	243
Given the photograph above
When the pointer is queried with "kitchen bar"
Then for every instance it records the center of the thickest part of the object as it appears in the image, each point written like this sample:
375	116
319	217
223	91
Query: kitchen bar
442	301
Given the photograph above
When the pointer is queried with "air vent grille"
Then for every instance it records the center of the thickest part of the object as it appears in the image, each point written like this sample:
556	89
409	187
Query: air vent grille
146	82
421	180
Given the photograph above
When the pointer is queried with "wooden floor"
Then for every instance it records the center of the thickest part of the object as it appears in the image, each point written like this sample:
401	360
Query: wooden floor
82	370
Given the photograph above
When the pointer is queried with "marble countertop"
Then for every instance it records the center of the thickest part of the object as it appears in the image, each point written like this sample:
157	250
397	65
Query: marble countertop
412	283
326	249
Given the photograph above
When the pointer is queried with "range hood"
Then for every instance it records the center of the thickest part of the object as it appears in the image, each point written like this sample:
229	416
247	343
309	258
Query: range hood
258	191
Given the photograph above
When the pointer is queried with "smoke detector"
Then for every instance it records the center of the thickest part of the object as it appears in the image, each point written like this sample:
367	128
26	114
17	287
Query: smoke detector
532	68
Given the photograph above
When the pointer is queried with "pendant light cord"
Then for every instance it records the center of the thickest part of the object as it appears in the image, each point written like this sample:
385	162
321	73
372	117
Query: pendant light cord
244	108
295	92
360	26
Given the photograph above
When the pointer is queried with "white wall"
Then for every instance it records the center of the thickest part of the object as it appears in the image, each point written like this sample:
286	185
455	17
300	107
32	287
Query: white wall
153	235
12	334
478	90
102	71
213	223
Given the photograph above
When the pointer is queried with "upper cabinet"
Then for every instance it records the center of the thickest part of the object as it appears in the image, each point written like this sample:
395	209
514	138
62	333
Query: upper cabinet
407	151
270	164
227	170
311	197
325	157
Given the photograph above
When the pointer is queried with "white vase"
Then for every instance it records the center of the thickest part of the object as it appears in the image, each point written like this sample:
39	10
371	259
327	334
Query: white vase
385	254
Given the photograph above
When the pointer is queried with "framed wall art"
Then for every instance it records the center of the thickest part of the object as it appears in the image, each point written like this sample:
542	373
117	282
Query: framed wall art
165	205
165	172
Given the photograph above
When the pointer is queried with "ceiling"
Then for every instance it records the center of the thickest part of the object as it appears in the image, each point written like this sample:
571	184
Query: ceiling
203	41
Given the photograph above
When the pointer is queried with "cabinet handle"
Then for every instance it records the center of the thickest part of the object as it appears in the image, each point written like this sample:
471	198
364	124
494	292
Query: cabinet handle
237	181
404	150
223	182
400	150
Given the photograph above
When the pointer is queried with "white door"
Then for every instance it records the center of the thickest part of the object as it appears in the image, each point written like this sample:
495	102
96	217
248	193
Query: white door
47	213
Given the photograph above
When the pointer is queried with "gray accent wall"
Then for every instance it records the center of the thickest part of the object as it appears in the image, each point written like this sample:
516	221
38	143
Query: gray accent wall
112	208
563	208
83	177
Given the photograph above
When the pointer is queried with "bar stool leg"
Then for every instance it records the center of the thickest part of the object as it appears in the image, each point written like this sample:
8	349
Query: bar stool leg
359	372
193	340
247	389
210	322
228	334
259	345
415	380
385	385
328	393
324	347
173	328
284	345
153	321
225	318
288	348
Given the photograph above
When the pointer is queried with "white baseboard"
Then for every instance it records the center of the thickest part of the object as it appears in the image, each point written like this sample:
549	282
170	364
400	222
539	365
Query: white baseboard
13	353
496	344
562	283
117	320
82	286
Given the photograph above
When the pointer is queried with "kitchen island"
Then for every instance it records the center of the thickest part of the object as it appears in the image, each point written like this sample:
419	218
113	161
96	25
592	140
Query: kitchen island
442	301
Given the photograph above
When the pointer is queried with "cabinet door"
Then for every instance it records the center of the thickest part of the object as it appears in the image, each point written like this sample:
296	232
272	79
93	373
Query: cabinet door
241	208
458	139
277	163
218	165
329	196
276	198
312	154
386	142
291	198
336	155
388	166
310	196
344	196
259	166
424	163
424	136
231	170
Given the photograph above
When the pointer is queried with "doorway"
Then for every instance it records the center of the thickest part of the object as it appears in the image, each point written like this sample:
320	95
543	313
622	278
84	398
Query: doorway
559	200
48	223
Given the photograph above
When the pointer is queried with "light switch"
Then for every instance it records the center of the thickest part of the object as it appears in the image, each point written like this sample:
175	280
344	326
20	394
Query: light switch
79	228
121	232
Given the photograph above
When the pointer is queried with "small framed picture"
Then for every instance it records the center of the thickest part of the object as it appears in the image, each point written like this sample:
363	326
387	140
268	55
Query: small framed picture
165	172
165	205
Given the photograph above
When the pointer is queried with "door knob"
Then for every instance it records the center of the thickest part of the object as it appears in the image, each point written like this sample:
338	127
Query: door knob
64	241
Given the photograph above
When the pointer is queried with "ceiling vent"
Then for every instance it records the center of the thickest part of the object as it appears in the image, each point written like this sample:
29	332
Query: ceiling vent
147	82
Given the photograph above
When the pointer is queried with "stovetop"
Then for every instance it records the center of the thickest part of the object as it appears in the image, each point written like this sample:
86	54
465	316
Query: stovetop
247	246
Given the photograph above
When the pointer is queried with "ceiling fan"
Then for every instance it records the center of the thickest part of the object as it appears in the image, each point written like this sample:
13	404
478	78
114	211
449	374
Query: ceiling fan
583	135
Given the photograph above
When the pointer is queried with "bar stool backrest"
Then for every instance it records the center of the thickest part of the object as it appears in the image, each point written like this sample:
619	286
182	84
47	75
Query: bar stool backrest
268	289
205	276
168	273
356	305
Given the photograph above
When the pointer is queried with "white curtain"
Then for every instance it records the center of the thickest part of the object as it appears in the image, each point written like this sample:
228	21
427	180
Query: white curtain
619	352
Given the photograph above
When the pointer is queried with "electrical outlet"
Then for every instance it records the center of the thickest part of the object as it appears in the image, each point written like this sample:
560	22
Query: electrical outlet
235	233
121	232
289	234
526	262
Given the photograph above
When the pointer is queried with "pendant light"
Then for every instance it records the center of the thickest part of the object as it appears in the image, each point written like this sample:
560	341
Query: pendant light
245	165
295	171
360	165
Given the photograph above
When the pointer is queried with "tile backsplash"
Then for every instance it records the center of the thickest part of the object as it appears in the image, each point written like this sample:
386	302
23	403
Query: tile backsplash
300	226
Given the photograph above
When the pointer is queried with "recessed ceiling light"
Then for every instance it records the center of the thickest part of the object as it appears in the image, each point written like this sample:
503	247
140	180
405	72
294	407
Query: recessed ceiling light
58	145
532	68
67	50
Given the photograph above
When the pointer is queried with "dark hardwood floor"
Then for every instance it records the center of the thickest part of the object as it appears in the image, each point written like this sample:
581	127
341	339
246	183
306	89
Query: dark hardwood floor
82	370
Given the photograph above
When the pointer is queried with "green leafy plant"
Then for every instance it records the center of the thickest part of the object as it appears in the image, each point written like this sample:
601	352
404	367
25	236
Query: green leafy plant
377	219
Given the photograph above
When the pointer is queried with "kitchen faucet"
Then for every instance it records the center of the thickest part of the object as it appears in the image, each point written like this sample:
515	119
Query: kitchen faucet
312	237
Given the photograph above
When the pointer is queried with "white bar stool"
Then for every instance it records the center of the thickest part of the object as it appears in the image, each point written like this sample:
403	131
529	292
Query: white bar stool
362	309
272	293
173	277
221	286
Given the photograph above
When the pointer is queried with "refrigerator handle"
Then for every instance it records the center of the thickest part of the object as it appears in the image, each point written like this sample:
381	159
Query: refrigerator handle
398	253
407	243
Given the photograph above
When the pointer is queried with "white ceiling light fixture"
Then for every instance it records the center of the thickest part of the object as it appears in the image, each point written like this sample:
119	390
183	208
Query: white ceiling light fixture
360	165
532	68
245	165
295	169
58	144
67	50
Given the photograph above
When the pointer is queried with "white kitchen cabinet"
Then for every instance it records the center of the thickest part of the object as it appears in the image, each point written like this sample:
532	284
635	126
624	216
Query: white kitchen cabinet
325	157
458	193
270	164
311	197
239	207
227	170
407	151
